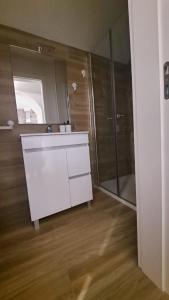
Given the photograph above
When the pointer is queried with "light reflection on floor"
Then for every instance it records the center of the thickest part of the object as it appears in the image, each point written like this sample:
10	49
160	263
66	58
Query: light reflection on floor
102	250
85	288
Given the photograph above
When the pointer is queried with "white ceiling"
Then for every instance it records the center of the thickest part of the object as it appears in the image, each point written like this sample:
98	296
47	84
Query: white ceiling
78	23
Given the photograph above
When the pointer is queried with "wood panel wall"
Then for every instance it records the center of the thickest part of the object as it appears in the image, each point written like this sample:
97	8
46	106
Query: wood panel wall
13	193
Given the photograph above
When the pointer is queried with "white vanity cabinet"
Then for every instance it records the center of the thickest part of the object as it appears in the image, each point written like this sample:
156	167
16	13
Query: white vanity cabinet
57	168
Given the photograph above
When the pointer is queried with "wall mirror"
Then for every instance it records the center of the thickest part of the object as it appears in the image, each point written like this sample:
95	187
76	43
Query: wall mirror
40	84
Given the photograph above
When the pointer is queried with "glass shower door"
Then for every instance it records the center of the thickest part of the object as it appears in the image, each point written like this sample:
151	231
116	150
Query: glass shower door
125	131
105	125
112	89
123	102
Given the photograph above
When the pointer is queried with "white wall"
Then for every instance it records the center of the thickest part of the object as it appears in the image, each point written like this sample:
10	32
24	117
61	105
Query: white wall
76	23
120	41
103	47
143	17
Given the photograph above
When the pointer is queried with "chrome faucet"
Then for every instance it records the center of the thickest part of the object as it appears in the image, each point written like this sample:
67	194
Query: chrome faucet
49	129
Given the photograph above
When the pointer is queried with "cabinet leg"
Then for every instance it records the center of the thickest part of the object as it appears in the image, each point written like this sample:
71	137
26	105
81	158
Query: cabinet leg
36	225
89	204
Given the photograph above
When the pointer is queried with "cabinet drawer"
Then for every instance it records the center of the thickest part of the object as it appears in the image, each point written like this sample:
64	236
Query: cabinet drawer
78	160
53	140
80	190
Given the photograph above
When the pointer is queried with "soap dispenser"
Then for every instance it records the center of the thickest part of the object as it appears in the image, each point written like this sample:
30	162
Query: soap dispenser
68	127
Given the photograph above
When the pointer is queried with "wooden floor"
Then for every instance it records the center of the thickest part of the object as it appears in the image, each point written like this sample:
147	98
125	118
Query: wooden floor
78	254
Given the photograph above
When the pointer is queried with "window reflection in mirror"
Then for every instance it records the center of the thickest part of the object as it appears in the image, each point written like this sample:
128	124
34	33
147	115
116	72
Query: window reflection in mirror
29	100
40	87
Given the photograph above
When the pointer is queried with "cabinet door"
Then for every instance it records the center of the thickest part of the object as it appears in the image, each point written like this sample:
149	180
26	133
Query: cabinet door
47	182
78	160
80	189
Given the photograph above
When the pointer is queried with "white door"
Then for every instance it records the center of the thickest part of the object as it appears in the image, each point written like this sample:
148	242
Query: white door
163	11
149	32
145	41
47	182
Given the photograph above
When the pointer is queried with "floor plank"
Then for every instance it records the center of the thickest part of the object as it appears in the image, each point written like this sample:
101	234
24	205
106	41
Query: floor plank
79	254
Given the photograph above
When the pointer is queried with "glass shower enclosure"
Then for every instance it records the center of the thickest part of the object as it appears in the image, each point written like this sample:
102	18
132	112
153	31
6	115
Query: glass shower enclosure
112	89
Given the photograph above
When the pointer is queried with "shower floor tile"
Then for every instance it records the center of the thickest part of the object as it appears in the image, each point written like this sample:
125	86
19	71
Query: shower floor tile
126	186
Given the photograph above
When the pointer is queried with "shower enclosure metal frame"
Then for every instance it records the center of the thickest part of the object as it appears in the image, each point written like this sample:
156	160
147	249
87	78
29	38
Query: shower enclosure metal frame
113	93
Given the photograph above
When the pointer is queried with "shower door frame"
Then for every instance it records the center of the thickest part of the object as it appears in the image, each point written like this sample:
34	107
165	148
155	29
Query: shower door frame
114	128
113	94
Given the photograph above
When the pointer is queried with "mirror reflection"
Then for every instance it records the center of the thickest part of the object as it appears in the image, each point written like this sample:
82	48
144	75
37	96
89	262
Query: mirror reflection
40	87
